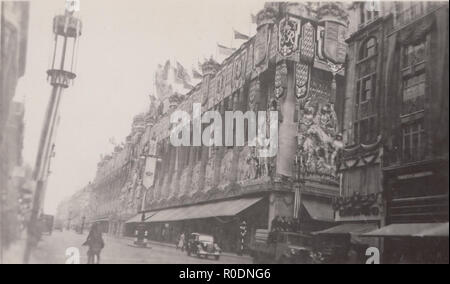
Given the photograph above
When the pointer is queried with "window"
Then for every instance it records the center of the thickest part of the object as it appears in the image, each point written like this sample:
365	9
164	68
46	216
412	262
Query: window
365	97
369	11
406	11
414	141
365	119
413	54
414	77
366	130
368	48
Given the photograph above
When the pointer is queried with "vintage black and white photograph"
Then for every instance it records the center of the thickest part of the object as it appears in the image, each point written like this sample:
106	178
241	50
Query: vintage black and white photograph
227	132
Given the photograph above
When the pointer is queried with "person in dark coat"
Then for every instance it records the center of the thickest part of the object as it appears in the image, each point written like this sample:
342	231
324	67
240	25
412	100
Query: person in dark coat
95	243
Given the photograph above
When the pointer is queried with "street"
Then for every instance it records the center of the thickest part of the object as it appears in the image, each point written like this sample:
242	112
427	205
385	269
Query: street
52	250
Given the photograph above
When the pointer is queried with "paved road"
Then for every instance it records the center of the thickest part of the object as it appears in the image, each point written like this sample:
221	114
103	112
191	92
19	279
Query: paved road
52	250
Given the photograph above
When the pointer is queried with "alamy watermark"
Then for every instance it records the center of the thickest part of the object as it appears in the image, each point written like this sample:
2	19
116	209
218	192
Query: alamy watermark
262	130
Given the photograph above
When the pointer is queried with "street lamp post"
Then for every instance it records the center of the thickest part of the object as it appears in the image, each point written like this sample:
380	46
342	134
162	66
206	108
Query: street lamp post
67	30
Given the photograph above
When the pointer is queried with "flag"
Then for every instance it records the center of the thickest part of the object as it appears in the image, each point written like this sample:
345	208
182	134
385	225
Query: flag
196	74
238	35
182	74
166	70
187	85
253	18
227	51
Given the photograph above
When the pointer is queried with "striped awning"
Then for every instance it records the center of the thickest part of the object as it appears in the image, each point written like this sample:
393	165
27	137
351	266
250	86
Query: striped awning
411	230
348	228
226	208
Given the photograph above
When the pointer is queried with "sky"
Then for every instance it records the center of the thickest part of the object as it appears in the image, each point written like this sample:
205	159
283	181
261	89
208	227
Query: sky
121	45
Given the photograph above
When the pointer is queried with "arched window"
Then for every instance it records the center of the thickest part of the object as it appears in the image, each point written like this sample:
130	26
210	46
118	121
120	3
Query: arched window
368	48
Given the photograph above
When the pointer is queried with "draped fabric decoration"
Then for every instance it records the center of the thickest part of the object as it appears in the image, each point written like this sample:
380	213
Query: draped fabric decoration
281	73
261	49
307	47
301	80
289	31
254	95
273	43
250	56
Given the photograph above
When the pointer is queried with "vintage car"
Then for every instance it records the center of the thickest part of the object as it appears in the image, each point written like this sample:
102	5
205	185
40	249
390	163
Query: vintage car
202	246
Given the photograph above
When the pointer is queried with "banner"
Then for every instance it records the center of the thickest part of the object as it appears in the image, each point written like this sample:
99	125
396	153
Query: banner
238	35
149	174
226	51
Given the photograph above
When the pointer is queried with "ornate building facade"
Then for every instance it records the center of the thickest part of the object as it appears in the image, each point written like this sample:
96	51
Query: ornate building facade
394	166
293	65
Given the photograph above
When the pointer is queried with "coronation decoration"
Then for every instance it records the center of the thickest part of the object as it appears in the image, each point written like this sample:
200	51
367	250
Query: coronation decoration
307	47
226	169
261	49
301	79
289	31
356	205
334	47
281	80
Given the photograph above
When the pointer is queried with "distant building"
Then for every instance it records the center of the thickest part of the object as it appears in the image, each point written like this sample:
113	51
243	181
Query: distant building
74	212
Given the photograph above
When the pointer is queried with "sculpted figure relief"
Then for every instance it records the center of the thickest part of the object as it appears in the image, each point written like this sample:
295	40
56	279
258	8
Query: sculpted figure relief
225	170
318	140
195	179
209	175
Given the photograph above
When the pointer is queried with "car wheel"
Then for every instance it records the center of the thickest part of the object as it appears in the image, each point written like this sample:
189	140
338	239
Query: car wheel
188	253
217	257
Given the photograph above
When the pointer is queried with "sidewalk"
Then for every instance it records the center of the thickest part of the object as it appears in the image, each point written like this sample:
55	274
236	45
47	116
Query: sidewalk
156	243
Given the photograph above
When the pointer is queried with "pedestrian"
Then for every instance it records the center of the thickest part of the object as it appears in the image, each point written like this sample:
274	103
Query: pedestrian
95	243
181	241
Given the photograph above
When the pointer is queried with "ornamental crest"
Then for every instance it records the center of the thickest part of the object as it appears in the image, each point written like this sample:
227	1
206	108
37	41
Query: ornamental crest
288	35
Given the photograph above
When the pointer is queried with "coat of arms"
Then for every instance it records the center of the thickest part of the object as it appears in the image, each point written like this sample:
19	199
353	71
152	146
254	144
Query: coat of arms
289	31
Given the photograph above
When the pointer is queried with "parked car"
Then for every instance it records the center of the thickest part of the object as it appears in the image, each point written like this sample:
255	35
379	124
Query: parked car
202	246
281	247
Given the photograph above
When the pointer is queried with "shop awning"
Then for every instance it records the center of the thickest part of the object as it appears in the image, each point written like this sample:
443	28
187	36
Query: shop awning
138	218
319	210
440	230
349	228
411	230
135	219
217	209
